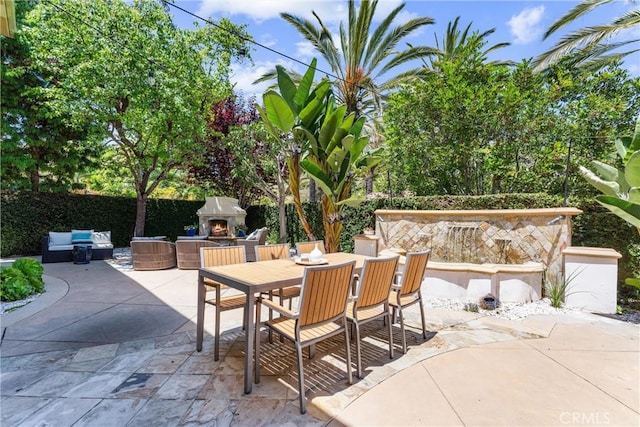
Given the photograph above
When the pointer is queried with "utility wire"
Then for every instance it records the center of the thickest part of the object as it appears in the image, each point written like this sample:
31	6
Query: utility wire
249	40
107	36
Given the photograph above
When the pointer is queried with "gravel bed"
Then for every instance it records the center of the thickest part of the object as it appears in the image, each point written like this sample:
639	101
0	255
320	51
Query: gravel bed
518	311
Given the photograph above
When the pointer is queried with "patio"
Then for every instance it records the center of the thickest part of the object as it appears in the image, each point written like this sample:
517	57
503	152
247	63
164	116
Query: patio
113	346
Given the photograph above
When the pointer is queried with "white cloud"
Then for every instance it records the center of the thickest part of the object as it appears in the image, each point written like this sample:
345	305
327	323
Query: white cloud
267	40
305	50
262	10
525	26
243	76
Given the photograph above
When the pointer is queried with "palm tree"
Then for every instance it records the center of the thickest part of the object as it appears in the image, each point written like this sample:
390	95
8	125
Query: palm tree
365	54
456	43
590	46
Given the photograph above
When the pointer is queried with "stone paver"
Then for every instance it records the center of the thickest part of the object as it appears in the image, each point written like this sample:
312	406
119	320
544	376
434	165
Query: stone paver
119	349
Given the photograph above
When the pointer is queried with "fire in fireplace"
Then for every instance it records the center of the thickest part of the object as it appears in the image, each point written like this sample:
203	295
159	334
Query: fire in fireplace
218	227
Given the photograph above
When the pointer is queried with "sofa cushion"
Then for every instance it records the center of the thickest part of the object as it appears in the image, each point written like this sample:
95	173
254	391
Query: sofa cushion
60	247
81	236
58	238
102	245
101	237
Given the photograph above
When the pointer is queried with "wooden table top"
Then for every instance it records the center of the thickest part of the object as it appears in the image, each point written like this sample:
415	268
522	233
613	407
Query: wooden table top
252	277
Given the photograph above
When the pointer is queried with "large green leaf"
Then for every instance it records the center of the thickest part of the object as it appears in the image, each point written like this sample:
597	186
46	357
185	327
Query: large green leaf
606	172
632	170
302	94
320	176
634	195
287	88
278	111
327	130
626	210
607	187
265	119
352	201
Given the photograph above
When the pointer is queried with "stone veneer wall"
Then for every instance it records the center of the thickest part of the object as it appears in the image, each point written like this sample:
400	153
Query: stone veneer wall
508	236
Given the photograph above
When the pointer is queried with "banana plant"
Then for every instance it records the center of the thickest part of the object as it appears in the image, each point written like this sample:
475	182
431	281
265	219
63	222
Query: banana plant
335	153
326	143
620	187
290	113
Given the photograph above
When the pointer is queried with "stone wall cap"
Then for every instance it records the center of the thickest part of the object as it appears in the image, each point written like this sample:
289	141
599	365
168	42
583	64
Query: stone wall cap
593	252
485	212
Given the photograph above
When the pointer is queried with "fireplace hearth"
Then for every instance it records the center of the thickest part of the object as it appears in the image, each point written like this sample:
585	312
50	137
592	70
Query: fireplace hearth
220	217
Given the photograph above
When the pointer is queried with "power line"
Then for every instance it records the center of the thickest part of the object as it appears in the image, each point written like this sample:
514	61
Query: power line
249	40
108	36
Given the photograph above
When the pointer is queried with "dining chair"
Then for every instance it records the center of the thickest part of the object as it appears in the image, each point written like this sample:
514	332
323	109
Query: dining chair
214	257
320	314
371	299
278	251
407	291
307	247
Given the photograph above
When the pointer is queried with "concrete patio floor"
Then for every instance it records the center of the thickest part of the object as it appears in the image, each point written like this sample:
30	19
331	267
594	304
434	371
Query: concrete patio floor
106	346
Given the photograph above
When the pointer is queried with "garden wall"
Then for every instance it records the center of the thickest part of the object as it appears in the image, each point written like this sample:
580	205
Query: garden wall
26	216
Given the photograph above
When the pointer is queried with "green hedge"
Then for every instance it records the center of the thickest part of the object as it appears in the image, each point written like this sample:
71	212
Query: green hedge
27	216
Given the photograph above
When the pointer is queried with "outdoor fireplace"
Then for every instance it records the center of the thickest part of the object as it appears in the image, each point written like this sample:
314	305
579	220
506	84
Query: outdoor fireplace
220	217
218	227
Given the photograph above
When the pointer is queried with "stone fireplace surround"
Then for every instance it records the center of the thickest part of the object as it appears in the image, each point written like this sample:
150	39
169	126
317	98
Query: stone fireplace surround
220	209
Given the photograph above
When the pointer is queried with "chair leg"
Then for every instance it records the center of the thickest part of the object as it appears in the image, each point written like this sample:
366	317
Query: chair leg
202	295
303	403
348	351
404	338
424	324
388	320
358	351
256	362
216	349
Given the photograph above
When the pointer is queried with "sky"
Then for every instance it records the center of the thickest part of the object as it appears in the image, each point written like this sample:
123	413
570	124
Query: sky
519	22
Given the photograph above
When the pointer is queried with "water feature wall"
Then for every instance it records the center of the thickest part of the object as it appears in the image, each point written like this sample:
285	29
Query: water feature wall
507	236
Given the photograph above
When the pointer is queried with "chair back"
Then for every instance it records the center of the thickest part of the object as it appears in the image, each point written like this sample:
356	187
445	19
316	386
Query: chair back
413	272
324	293
261	237
223	255
307	247
269	252
375	281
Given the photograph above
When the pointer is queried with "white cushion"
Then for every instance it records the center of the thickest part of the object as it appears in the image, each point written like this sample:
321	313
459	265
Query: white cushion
102	237
102	246
61	248
57	238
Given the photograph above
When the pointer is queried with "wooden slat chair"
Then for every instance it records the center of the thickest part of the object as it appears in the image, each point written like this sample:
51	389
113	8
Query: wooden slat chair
212	257
407	292
372	299
320	314
271	252
307	247
278	251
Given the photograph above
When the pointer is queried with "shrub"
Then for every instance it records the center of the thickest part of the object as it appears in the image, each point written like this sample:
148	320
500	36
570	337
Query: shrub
13	284
32	270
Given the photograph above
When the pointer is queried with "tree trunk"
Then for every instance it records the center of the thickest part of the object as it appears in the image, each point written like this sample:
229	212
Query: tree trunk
368	181
294	184
312	191
34	177
332	222
282	220
141	214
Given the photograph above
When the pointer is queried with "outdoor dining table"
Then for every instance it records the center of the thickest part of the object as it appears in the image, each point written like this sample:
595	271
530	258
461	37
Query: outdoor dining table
264	276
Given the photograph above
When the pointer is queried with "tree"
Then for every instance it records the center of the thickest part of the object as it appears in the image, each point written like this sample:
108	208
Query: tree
105	53
458	42
217	168
40	150
325	142
591	46
365	54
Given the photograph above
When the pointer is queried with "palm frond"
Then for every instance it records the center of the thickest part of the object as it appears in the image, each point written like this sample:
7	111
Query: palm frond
389	42
414	52
575	13
376	38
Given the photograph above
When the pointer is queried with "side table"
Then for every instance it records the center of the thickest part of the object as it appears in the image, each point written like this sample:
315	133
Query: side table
81	254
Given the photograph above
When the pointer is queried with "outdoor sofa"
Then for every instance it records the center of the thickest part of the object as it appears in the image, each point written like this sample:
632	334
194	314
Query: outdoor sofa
58	246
